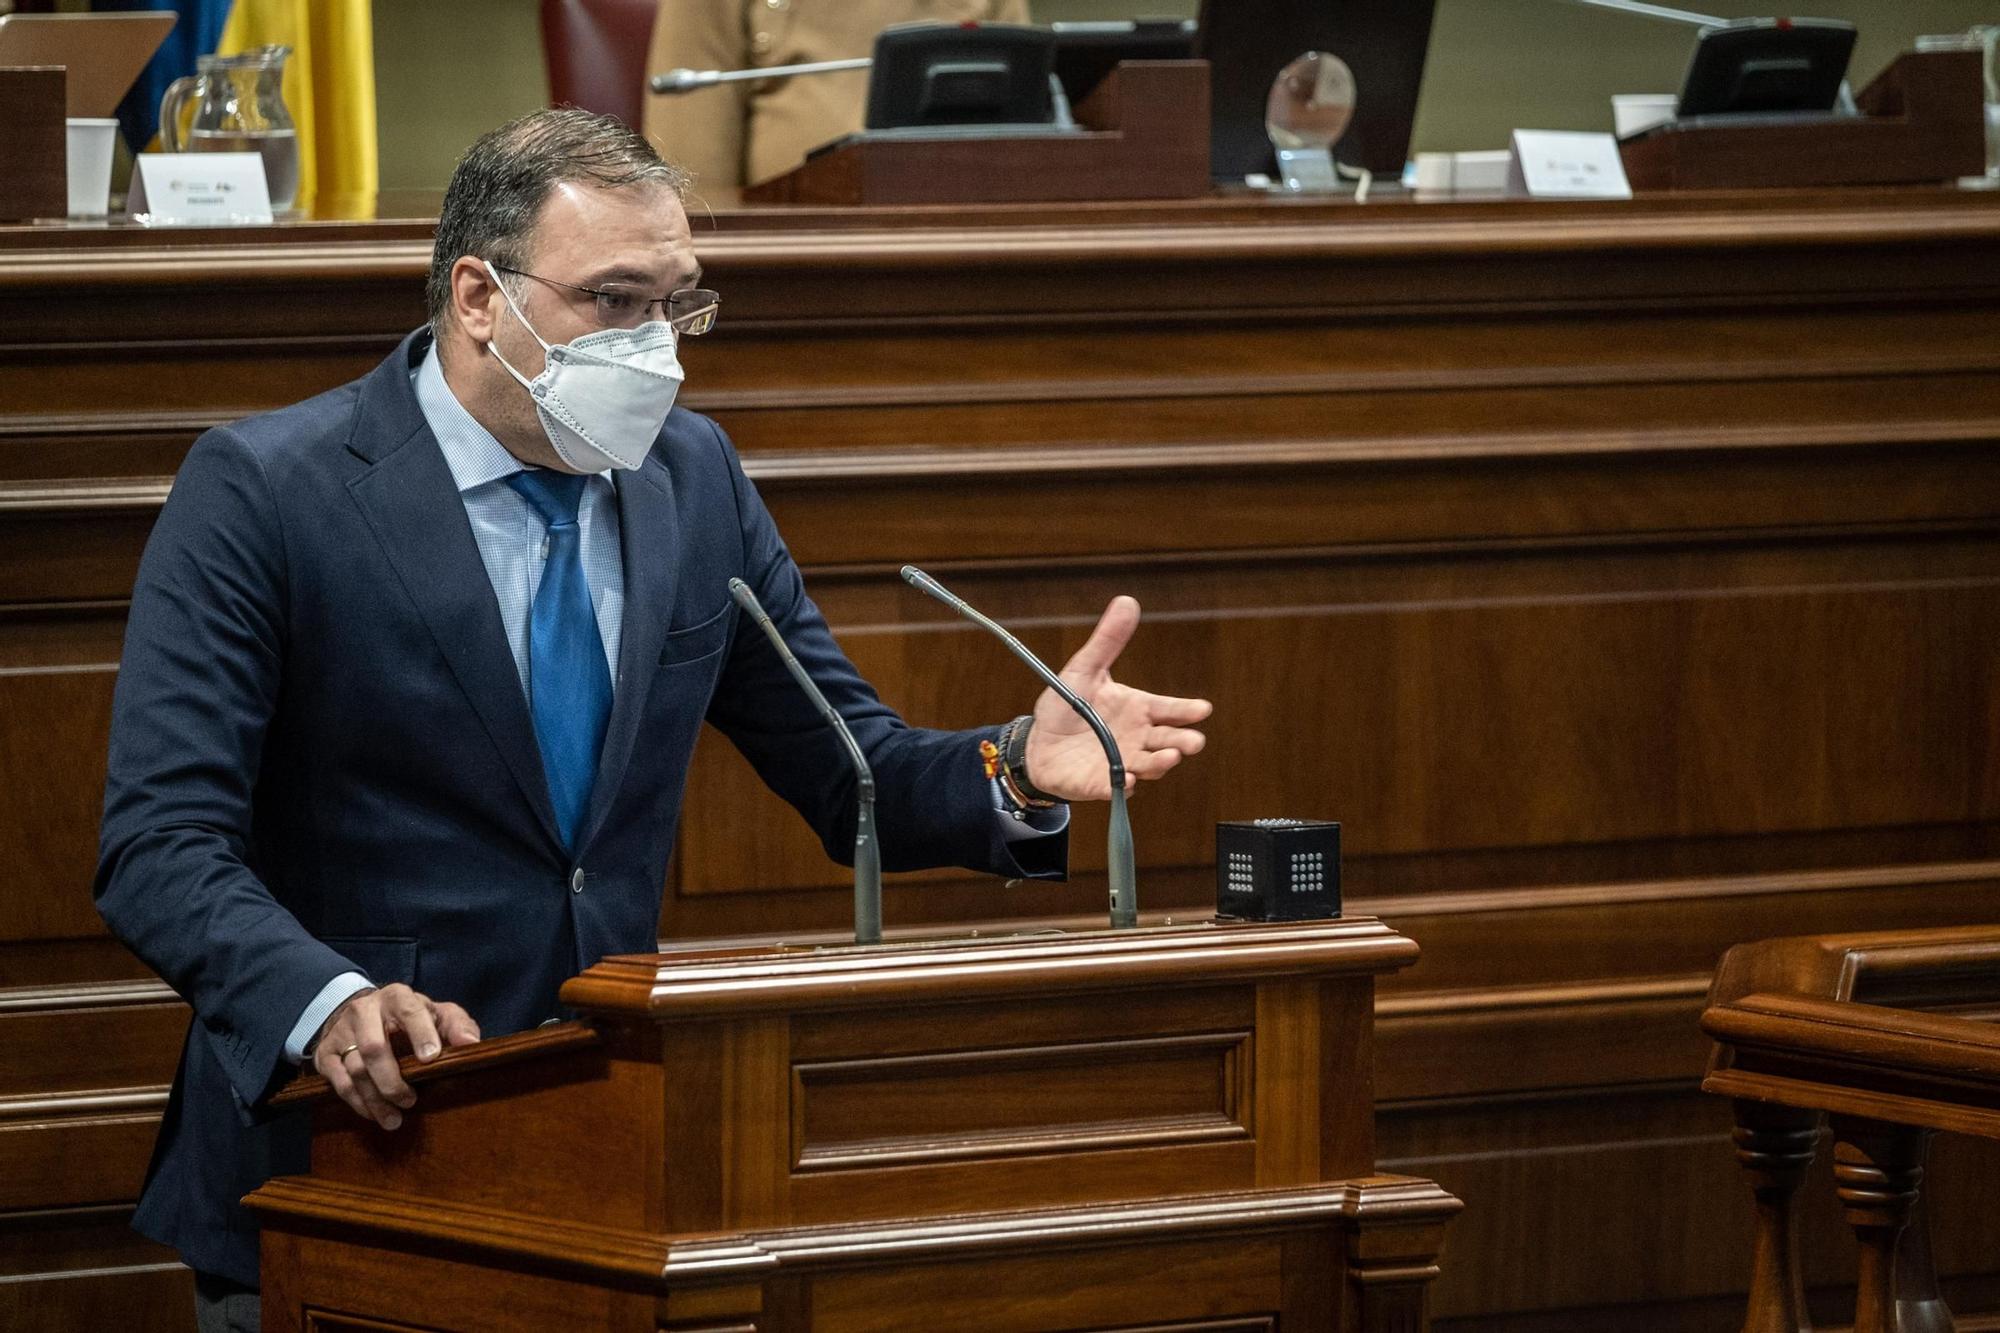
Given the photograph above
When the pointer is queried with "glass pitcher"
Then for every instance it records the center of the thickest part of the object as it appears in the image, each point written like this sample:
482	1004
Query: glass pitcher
240	109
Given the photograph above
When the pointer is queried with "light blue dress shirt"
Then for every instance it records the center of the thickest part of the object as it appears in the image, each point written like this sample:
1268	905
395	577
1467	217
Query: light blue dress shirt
513	542
512	539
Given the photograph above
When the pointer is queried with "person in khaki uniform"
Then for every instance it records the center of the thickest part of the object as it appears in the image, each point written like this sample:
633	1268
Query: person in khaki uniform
743	133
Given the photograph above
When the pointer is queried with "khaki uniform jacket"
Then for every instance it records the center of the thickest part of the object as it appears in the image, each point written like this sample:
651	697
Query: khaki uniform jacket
743	133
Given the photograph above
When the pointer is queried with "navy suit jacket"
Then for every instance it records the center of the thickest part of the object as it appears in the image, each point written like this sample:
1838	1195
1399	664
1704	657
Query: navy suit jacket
321	759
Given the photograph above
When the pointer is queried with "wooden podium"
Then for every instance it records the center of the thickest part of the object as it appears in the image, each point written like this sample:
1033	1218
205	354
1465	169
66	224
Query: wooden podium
1168	1126
1144	135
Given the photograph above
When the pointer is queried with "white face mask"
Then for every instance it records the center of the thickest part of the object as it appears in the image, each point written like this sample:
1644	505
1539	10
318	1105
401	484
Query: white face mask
603	398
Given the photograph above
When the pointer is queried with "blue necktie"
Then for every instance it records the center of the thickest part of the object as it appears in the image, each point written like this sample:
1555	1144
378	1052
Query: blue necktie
569	684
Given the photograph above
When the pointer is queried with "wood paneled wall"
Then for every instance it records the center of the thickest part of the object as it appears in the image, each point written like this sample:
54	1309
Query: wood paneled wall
1626	578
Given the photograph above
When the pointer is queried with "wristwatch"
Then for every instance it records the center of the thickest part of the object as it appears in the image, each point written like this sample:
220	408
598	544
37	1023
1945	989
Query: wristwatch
1014	766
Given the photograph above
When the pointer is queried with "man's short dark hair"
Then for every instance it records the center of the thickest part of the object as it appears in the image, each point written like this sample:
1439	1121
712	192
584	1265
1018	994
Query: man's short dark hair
499	186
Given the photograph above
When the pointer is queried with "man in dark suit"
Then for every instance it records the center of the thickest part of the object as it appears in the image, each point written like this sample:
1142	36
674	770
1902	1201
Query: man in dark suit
414	670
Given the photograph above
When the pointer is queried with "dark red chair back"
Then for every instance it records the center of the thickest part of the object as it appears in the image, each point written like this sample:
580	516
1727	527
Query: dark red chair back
596	51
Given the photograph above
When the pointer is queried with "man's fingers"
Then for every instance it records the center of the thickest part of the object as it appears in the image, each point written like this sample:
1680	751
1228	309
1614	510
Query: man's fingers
415	1015
456	1026
1114	630
373	1104
1175	738
1174	712
330	1056
336	1077
349	1078
356	1051
376	1054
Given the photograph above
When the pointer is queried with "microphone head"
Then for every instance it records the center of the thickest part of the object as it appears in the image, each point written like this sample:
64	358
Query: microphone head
680	80
923	582
746	599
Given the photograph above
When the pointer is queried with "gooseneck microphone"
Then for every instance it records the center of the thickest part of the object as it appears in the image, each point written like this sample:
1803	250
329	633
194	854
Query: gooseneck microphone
690	80
1124	886
1651	11
867	850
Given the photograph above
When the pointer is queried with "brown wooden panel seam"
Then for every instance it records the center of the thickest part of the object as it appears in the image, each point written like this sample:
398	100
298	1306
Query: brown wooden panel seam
1013	463
1599	896
1139	1132
88	995
83	497
1564	543
1505	999
930	393
56	1106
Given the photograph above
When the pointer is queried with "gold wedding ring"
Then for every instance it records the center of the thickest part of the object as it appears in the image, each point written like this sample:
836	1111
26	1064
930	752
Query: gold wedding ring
348	1051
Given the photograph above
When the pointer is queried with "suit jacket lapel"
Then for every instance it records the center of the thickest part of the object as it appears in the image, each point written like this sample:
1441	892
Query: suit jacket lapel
645	525
413	504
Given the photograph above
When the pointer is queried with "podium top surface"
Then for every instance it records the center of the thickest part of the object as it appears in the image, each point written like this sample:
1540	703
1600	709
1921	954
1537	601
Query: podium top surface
715	982
723	983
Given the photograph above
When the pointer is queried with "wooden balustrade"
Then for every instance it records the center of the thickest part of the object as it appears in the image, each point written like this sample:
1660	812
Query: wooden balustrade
1887	1039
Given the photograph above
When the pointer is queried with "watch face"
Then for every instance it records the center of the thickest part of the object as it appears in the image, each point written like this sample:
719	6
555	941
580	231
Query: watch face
1311	102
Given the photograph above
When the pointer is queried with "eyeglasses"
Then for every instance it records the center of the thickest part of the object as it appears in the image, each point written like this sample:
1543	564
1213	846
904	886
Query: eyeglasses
620	305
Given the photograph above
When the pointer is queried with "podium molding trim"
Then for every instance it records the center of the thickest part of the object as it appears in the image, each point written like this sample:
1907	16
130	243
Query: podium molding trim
638	1258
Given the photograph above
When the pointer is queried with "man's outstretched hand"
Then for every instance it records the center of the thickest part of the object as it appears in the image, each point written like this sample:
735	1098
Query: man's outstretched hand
356	1050
1154	731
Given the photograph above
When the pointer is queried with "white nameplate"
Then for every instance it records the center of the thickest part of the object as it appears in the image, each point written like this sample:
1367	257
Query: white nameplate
202	188
1562	164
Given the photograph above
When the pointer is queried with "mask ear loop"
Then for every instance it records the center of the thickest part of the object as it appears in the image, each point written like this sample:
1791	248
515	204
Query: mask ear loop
493	345
534	390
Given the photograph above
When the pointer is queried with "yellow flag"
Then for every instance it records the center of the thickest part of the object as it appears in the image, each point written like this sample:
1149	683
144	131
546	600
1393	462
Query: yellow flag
329	88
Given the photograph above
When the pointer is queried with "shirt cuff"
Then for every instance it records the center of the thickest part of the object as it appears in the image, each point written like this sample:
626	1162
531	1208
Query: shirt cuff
331	996
1020	825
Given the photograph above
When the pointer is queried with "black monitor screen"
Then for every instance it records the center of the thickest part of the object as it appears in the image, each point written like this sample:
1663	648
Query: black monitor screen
1247	42
1765	65
960	74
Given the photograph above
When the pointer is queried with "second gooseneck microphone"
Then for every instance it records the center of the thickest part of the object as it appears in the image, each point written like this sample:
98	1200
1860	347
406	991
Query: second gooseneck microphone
692	80
867	850
1119	859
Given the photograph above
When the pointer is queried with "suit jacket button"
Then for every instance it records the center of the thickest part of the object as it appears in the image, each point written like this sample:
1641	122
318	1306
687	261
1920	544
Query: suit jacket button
576	880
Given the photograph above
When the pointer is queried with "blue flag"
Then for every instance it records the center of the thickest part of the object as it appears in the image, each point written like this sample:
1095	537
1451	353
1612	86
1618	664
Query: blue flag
195	35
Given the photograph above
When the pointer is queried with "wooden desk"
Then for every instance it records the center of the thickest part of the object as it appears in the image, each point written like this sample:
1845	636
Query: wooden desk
1876	1040
1624	576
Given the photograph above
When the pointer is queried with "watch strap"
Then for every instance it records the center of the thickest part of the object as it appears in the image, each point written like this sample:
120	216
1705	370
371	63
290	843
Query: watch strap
1014	764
